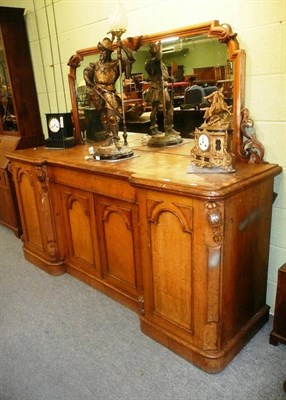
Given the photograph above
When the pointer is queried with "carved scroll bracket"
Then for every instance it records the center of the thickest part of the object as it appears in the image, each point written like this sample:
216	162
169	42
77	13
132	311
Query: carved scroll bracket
225	35
251	149
75	60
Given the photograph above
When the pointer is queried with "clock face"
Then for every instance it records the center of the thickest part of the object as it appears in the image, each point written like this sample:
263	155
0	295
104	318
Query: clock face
54	125
204	142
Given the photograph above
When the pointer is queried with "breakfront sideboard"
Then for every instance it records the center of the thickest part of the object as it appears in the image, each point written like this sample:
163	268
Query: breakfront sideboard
188	252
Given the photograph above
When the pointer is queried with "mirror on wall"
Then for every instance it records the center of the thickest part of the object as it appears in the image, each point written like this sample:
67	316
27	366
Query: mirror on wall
206	55
8	122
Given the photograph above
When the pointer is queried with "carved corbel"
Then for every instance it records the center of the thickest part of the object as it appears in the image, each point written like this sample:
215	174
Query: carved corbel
42	177
250	149
215	220
41	173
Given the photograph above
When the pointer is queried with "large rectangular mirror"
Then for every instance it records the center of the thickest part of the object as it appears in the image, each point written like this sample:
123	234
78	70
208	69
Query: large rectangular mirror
206	53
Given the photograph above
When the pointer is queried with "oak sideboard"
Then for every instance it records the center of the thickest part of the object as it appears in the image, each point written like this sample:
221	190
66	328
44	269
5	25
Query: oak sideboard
187	252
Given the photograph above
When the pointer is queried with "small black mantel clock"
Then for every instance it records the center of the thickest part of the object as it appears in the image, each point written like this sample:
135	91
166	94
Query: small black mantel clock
60	130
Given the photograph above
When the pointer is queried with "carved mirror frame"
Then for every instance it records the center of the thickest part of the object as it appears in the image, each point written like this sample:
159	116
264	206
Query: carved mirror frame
212	29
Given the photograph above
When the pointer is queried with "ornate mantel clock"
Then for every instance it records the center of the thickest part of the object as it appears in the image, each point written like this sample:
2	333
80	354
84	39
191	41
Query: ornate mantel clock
212	152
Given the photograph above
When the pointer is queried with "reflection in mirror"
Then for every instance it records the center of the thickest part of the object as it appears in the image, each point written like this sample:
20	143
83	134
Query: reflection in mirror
191	61
206	55
89	118
197	65
8	118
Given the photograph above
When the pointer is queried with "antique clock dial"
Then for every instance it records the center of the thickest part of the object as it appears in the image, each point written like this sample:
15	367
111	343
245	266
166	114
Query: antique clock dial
204	142
54	125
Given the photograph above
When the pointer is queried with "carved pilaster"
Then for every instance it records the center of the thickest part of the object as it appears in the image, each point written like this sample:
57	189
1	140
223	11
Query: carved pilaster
51	246
214	214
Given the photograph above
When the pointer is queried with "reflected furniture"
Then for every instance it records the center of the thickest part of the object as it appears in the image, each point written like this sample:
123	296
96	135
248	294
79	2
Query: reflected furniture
20	124
210	74
177	248
278	333
185	121
194	97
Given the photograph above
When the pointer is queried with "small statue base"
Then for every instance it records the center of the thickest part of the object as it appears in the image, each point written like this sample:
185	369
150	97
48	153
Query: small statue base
112	152
164	140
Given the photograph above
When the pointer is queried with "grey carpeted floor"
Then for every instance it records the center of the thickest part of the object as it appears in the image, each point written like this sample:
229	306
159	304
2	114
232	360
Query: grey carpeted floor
62	340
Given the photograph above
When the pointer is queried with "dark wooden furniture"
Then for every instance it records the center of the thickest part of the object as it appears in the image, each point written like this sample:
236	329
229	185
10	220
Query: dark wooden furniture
20	124
209	74
175	247
9	213
185	122
278	333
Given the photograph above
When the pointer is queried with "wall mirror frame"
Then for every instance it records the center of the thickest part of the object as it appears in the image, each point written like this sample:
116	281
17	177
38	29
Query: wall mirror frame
211	29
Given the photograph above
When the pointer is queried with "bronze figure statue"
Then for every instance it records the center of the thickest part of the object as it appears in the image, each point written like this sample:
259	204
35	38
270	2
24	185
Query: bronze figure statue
158	92
100	78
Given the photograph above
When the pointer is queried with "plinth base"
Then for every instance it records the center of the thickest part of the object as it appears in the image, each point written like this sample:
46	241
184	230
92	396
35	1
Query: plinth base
112	152
164	140
60	143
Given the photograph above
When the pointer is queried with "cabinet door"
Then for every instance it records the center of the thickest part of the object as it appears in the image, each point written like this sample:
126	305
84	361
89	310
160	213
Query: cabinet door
40	241
168	266
80	230
181	270
118	230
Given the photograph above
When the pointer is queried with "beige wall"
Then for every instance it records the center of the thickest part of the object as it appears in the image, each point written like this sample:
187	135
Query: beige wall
57	28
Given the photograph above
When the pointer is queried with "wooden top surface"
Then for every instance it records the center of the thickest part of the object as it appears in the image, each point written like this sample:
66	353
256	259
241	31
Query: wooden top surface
163	168
7	143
